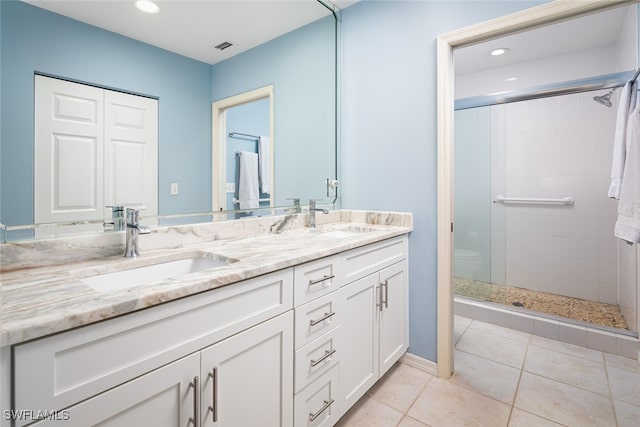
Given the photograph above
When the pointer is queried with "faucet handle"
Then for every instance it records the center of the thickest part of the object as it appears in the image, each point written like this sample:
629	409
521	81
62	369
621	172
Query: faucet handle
117	211
117	218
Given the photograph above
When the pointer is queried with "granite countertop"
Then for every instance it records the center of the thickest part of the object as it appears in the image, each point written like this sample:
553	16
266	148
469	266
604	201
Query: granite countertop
39	301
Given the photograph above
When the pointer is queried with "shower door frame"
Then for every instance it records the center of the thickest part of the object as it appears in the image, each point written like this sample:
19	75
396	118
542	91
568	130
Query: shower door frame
542	15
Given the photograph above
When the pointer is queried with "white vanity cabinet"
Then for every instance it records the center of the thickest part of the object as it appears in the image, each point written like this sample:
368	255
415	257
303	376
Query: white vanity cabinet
376	323
296	347
348	337
145	359
244	380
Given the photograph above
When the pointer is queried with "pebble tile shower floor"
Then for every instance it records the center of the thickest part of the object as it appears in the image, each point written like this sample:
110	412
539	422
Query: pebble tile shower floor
558	305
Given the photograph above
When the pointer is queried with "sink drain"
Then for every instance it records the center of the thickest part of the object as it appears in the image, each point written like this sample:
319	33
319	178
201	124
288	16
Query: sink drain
517	304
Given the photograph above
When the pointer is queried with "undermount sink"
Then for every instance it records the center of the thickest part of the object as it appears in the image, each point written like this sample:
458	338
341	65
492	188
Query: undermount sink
147	274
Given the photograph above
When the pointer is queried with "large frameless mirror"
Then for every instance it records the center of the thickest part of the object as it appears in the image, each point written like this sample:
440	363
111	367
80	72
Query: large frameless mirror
189	57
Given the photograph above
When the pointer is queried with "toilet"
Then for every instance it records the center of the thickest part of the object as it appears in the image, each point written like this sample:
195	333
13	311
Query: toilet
467	263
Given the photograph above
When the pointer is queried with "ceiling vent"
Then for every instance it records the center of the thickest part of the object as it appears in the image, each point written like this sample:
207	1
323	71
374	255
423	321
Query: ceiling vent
223	45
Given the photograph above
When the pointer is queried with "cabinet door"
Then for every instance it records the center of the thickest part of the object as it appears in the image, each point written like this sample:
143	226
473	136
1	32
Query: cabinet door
248	378
164	397
393	315
359	331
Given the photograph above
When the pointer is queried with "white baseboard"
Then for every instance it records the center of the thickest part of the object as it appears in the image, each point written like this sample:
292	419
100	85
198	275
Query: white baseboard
419	363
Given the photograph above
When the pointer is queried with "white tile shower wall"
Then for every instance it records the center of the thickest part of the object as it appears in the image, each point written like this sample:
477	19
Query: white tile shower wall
557	147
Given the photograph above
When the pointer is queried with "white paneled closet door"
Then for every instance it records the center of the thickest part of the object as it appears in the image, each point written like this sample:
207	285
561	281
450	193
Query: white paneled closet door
131	152
93	148
69	138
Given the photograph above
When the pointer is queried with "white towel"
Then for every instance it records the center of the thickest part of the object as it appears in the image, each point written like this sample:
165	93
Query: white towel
264	164
625	106
248	195
628	224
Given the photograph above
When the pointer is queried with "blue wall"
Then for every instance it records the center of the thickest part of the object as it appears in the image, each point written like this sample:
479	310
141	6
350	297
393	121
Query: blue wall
388	140
37	40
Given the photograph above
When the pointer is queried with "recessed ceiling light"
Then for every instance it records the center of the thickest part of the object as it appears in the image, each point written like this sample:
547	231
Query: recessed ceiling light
147	6
499	51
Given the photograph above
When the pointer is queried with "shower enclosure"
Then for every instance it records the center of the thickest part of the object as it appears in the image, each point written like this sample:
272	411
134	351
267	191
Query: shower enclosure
534	225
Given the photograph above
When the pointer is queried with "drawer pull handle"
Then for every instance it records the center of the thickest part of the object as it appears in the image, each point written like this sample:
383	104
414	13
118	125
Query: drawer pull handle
327	354
324	278
214	404
323	318
386	293
196	401
327	403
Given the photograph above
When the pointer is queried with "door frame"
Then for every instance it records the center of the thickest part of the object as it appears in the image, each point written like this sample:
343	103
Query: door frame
538	16
219	132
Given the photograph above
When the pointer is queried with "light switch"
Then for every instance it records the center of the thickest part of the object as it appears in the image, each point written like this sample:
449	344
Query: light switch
174	188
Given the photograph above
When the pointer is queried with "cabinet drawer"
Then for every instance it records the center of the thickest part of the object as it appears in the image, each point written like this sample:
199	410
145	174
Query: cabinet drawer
371	258
59	370
317	317
319	404
316	358
317	278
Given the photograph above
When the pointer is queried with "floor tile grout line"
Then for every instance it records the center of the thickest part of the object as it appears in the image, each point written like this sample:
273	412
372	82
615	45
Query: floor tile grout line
544	375
515	395
485	358
571	354
405	413
611	399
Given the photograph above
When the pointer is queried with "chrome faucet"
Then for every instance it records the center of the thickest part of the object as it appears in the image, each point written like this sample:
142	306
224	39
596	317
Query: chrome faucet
312	212
133	230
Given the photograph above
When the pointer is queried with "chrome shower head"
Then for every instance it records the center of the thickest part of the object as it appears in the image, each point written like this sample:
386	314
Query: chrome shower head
605	99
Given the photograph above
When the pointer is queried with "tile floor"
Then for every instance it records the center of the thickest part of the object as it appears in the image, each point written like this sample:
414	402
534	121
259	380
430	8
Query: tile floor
507	378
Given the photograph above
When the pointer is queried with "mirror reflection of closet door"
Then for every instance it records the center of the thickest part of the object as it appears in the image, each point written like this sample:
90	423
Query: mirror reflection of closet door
93	147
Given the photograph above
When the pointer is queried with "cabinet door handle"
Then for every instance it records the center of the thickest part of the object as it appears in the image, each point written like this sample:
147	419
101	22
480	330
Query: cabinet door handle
386	293
214	398
327	403
324	278
196	401
379	303
322	319
327	354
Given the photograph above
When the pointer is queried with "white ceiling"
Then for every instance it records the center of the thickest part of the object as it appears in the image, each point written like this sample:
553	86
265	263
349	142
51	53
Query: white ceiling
193	27
591	31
